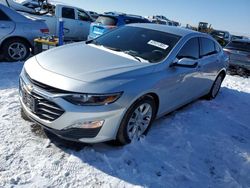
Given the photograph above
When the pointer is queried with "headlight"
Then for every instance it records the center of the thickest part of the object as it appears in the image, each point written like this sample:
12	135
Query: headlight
92	100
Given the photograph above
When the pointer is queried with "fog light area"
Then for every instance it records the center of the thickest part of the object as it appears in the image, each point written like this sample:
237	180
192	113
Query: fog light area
87	125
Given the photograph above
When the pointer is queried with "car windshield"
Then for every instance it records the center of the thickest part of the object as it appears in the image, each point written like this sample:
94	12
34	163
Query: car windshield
242	46
150	45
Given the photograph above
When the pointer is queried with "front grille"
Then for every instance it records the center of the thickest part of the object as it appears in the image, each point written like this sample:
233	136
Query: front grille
39	105
45	109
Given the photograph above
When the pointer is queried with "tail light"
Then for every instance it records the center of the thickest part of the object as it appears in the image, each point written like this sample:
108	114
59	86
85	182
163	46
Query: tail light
45	31
111	26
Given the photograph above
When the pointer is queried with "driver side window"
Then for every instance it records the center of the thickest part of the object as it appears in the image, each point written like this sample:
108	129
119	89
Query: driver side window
190	49
68	13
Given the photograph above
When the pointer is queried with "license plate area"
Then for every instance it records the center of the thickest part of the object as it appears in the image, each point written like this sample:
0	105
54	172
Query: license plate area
29	101
98	30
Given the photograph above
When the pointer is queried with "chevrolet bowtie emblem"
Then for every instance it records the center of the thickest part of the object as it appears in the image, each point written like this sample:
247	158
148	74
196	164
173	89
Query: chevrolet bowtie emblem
29	88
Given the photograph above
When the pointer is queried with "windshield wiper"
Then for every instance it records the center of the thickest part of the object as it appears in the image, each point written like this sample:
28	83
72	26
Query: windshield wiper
93	41
112	48
133	55
128	52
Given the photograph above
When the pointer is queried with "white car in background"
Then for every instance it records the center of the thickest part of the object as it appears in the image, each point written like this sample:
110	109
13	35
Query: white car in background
17	34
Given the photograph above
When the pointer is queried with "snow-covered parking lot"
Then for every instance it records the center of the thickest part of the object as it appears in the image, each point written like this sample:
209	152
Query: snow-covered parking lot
205	144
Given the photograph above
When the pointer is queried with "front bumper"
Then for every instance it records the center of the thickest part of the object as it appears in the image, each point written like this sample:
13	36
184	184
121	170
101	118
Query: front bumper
111	115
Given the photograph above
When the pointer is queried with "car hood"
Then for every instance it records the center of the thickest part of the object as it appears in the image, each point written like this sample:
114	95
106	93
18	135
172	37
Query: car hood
87	63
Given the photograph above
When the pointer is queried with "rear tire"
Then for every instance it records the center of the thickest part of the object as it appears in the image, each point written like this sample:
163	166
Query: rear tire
216	87
137	120
15	50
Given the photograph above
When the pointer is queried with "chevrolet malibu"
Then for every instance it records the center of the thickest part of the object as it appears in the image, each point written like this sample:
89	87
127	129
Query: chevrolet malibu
113	87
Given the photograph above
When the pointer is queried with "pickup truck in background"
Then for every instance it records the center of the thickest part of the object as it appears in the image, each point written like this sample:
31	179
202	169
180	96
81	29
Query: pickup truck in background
76	21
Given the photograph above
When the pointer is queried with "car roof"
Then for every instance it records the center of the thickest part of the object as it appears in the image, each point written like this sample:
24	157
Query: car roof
168	29
115	14
241	40
14	15
220	31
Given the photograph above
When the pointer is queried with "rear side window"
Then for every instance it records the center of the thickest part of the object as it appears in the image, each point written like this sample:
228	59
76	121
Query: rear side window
237	45
190	49
106	20
68	13
207	47
3	16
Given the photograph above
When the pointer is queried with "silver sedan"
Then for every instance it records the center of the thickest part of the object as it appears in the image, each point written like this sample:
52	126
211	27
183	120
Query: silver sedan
113	87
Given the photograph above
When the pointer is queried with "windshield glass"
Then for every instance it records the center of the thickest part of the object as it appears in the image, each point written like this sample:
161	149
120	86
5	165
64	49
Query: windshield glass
241	46
150	45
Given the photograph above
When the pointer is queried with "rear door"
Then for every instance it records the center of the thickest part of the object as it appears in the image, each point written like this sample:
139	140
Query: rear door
7	26
83	24
209	62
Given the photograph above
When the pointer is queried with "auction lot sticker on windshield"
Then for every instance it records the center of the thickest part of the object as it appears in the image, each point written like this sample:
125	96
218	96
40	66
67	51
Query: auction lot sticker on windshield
158	44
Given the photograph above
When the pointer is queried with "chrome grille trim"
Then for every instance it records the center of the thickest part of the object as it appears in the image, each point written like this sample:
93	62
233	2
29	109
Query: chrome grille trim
47	110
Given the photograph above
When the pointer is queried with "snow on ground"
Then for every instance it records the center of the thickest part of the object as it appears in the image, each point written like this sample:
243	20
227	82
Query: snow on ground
205	144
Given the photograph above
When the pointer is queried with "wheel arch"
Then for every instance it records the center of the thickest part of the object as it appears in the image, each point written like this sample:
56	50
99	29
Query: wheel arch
156	99
223	72
119	137
149	94
16	37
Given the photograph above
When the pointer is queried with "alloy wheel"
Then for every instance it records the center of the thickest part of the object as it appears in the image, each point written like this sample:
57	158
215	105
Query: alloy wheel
139	121
17	51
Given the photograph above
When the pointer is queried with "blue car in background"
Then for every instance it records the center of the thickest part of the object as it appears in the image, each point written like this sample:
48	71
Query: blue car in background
110	20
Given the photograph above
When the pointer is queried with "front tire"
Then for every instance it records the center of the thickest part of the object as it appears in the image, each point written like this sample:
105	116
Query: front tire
137	120
16	50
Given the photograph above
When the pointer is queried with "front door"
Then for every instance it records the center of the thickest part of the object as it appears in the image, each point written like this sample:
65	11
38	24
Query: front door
181	84
209	62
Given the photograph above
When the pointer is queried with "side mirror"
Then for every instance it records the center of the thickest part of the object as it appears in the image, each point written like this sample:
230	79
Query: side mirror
184	62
